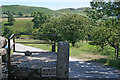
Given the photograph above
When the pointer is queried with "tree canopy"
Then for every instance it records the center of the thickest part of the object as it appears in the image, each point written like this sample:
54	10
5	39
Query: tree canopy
68	27
39	19
104	16
11	19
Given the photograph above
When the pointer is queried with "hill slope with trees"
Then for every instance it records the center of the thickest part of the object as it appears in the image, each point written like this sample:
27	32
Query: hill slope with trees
27	10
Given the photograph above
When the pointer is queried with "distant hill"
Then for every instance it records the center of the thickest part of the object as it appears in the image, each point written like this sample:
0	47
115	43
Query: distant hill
27	10
73	10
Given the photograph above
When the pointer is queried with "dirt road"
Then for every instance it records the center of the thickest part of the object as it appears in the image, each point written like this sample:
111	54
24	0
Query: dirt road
77	67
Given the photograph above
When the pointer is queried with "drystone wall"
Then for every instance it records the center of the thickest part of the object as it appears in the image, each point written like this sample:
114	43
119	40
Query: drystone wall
0	67
3	52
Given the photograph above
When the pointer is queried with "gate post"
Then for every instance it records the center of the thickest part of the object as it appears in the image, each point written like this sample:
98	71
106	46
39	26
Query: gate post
9	60
53	48
14	43
62	67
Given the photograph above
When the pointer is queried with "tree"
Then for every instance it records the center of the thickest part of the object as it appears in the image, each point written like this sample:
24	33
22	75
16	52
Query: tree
7	31
69	27
104	33
13	13
20	14
104	16
73	27
103	9
11	19
39	19
52	27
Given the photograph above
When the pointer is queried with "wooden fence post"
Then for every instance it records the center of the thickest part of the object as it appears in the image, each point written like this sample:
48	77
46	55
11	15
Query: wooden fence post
62	67
9	60
9	52
53	47
14	44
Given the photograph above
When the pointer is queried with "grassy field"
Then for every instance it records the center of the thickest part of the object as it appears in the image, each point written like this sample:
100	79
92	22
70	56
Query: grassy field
19	25
85	52
17	19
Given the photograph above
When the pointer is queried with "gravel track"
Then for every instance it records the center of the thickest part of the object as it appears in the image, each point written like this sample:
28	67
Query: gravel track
77	67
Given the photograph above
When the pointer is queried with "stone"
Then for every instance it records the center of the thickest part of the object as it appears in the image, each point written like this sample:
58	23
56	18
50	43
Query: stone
0	60
0	72
28	53
3	51
21	74
62	68
0	67
48	72
3	42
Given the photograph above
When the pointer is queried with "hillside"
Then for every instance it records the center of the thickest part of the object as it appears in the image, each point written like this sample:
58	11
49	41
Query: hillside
27	10
73	10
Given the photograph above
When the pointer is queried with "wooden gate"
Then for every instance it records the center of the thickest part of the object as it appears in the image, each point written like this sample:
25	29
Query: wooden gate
12	46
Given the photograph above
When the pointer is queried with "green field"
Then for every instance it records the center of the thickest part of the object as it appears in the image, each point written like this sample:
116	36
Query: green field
19	25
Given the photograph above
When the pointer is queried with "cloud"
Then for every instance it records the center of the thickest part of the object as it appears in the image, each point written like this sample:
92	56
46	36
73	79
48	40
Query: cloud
54	0
46	0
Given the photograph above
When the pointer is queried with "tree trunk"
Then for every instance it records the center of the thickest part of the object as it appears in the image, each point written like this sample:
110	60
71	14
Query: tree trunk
102	48
86	41
111	44
73	43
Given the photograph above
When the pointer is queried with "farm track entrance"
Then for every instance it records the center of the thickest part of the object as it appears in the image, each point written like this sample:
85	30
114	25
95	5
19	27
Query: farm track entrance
77	68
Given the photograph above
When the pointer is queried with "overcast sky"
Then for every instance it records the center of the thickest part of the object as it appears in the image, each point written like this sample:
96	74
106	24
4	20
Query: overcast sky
52	4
